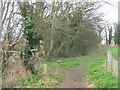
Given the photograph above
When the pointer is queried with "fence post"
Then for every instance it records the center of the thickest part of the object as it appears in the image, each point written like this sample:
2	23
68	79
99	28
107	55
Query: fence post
45	69
107	59
111	63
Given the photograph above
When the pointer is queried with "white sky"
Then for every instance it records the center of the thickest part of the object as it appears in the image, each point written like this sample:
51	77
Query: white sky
111	11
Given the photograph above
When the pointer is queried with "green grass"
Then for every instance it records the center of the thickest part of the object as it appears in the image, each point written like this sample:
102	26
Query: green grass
50	80
114	51
68	63
55	78
100	77
40	80
34	82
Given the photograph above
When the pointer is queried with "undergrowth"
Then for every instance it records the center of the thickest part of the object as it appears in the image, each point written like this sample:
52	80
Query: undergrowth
50	79
99	76
35	81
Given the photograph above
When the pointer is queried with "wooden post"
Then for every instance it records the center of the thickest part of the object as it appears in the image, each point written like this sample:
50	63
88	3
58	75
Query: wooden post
106	59
111	63
45	69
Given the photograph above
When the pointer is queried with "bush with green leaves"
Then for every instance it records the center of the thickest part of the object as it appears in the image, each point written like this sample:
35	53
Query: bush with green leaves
28	22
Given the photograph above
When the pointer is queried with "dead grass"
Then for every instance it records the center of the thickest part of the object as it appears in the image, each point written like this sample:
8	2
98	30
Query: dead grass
14	72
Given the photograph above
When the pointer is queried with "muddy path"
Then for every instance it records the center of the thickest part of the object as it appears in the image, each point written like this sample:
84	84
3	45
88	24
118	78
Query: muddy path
75	79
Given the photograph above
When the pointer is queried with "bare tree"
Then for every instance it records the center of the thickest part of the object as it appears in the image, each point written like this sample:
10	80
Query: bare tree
11	29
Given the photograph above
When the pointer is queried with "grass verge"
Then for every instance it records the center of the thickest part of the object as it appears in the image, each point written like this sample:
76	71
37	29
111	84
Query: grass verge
67	63
114	51
100	77
50	79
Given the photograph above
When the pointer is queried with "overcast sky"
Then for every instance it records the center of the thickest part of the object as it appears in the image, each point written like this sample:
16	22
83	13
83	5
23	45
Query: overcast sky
111	11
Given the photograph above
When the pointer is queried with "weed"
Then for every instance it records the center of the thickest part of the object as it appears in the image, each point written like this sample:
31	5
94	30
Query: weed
100	77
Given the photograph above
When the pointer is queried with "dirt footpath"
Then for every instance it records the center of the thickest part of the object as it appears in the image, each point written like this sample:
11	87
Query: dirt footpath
75	79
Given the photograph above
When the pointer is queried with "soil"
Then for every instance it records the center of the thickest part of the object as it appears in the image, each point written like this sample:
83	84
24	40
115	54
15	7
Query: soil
75	79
